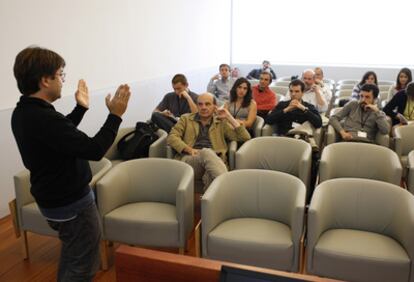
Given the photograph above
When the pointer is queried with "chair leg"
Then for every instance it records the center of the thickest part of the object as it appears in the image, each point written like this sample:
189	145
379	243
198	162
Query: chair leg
302	254
197	238
25	245
181	251
104	254
13	213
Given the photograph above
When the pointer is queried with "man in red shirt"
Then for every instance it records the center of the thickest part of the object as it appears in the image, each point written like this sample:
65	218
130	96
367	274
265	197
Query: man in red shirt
265	98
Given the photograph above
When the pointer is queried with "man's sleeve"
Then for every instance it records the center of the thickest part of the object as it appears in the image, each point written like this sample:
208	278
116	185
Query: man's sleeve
239	134
313	116
175	137
390	106
62	136
163	105
77	114
335	120
276	115
382	122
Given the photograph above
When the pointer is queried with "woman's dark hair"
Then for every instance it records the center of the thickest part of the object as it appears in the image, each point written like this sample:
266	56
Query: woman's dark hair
407	72
365	77
32	64
233	92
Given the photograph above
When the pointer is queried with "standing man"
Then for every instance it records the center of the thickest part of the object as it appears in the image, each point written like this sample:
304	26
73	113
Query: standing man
200	138
361	119
175	104
56	153
264	97
221	83
266	67
313	92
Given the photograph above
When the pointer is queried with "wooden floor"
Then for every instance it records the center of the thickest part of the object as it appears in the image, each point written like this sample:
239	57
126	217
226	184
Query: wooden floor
44	255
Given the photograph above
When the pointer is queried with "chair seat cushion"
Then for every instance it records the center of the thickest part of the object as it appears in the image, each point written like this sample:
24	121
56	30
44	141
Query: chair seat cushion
254	241
144	223
360	256
32	220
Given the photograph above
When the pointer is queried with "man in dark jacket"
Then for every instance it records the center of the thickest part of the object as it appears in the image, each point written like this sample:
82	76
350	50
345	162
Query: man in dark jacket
56	153
287	114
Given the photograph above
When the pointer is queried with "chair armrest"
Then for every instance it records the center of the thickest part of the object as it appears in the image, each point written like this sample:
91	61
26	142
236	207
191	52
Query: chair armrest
410	176
99	168
268	129
170	152
185	205
331	135
158	149
382	139
112	190
22	189
258	125
232	154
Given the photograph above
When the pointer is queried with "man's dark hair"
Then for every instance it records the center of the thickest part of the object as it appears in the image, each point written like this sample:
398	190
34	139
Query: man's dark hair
297	82
233	92
371	88
33	63
269	74
179	78
225	65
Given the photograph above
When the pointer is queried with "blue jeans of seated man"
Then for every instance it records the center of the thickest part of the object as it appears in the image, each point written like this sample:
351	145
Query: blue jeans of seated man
80	237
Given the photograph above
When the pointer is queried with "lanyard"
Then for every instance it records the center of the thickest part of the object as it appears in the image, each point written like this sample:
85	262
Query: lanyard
364	121
234	110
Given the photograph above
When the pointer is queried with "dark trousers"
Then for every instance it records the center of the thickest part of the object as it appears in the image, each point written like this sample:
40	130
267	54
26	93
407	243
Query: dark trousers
162	121
80	237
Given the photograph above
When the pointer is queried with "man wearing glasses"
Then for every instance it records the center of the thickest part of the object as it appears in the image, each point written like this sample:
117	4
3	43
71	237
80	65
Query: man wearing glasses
56	153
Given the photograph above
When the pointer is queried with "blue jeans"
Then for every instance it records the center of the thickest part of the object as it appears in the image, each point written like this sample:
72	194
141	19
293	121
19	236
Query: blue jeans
79	258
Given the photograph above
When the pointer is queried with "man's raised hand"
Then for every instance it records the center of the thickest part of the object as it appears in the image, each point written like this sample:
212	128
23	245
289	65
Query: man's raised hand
118	104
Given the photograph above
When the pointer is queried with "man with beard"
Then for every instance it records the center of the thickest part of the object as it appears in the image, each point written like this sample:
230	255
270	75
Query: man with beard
361	119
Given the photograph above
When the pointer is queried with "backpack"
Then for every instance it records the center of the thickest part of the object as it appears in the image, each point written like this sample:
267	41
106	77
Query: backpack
135	144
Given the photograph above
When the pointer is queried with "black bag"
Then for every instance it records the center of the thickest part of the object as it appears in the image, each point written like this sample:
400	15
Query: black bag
135	144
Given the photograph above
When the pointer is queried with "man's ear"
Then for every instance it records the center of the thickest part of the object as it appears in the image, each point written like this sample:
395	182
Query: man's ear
44	82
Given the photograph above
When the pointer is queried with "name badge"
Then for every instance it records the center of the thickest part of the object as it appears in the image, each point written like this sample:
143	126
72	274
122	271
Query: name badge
362	134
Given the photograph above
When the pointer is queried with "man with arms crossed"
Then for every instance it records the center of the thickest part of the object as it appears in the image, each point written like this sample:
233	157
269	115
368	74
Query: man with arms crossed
56	153
200	138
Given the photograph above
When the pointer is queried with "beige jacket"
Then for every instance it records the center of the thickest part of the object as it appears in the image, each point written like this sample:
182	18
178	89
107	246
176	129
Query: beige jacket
186	131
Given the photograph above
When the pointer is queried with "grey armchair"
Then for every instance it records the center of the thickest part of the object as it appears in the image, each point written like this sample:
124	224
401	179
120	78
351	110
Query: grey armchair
283	154
257	126
156	150
26	213
404	142
361	230
254	217
147	202
360	160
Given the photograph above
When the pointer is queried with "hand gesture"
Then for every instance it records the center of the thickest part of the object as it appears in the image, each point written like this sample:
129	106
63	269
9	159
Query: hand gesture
82	94
371	107
118	104
184	94
222	113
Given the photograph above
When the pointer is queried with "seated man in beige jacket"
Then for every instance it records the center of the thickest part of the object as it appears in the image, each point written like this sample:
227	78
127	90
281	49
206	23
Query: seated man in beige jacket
200	138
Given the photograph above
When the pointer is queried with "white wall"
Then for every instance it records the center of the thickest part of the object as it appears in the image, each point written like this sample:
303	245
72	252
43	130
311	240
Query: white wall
109	42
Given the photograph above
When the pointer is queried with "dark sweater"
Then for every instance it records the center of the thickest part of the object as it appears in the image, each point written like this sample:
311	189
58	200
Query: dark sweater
56	152
395	106
284	120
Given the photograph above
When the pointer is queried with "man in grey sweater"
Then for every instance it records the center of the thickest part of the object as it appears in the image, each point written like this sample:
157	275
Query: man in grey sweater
362	119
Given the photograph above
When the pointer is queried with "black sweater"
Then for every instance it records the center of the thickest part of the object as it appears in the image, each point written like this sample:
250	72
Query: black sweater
284	120
56	152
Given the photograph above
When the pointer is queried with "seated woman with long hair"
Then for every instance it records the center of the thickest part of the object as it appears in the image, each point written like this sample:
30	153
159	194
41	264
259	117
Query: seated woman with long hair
369	77
241	105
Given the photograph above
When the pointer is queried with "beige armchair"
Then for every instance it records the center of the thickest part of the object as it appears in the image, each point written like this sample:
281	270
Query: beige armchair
361	230
283	154
257	127
156	150
333	137
359	160
410	176
404	143
26	213
254	217
147	202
